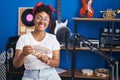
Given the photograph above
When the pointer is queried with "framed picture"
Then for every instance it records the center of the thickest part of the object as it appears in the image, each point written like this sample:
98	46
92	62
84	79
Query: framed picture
25	20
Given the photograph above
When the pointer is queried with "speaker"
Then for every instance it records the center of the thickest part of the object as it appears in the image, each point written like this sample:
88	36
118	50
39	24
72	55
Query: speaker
10	50
108	37
119	68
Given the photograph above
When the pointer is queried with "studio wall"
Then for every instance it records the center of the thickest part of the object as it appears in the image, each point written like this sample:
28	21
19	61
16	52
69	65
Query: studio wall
69	9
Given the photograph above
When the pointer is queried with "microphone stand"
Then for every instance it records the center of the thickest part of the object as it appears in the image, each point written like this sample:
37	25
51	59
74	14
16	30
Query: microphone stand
73	58
113	62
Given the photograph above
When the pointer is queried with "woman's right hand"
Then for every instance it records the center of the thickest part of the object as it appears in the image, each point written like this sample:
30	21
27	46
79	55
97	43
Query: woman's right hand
28	49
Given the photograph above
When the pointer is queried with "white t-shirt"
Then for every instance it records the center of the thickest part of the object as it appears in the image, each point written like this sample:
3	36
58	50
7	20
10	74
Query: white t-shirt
31	62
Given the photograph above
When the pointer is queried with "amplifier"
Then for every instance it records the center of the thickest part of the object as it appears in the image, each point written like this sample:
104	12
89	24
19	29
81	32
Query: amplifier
94	42
108	37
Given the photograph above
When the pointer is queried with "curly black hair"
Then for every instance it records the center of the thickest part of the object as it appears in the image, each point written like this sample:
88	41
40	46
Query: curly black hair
42	8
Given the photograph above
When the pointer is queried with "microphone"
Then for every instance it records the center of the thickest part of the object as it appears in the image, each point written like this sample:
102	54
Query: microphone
63	35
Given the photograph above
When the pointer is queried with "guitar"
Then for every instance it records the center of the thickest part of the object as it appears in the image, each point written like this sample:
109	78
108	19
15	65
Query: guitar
58	22
86	10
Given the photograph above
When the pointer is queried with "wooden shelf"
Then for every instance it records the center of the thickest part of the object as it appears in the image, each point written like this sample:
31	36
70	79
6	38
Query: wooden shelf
103	49
78	74
65	74
96	19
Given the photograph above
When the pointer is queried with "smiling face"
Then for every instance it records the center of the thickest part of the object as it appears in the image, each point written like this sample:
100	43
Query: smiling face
41	21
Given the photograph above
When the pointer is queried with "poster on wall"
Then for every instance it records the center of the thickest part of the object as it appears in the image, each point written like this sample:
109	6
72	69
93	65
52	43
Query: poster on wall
25	20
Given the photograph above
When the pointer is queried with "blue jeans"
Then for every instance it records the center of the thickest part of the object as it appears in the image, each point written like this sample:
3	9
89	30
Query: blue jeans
43	74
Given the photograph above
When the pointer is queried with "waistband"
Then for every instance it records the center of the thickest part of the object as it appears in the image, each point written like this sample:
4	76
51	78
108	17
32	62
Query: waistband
38	69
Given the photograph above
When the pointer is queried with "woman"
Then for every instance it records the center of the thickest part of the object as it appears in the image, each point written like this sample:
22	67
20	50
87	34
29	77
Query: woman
39	51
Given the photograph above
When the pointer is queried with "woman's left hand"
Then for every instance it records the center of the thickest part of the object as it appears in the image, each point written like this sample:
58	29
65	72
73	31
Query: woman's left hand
43	58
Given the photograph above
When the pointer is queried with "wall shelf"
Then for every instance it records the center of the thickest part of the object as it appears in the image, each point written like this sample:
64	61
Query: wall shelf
77	73
86	49
96	19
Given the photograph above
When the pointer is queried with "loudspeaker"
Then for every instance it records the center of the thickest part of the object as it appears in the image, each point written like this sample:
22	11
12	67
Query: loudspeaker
119	67
10	49
108	37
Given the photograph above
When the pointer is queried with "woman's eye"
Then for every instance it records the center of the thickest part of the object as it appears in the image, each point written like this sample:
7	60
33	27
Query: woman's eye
39	17
46	19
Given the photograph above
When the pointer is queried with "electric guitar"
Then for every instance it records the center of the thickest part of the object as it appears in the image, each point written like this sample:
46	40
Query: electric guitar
58	22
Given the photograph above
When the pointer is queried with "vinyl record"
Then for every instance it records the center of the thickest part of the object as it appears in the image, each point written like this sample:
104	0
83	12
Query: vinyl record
27	18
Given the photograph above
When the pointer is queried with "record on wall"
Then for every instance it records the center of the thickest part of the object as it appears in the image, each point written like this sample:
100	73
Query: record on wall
25	20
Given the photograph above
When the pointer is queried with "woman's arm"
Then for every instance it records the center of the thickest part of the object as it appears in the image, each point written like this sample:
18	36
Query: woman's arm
21	54
18	59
